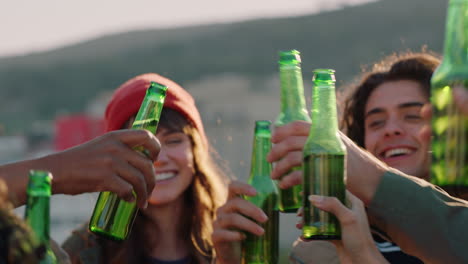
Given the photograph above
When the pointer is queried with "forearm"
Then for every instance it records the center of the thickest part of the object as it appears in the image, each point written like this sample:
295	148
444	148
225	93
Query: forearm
16	177
364	171
423	220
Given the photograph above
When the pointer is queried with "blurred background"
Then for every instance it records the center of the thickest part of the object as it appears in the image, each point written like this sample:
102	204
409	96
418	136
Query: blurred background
60	61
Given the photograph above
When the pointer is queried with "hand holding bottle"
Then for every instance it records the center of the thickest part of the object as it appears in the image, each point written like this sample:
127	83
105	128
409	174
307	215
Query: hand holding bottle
356	244
107	163
460	96
288	142
287	152
234	218
293	107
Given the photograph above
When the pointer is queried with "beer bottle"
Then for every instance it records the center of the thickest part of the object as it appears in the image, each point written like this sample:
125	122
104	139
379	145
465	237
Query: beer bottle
37	213
262	249
449	167
113	217
293	108
324	159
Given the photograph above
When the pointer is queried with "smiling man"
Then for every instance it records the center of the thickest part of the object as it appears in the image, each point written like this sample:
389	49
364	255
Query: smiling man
383	115
393	126
383	112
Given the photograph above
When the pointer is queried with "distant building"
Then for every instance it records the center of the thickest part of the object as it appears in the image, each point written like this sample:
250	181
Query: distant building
71	130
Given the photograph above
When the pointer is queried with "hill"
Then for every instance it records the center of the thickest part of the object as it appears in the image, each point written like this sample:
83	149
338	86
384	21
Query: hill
37	86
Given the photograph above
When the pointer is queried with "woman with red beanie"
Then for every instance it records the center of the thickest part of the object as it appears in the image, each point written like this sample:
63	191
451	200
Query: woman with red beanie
176	226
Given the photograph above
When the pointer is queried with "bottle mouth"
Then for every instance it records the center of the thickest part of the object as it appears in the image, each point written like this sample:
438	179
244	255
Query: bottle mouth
262	125
289	57
162	89
39	182
324	75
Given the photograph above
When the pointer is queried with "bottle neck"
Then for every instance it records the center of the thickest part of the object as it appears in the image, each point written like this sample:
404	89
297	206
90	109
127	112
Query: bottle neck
323	113
150	109
148	115
37	215
456	33
292	89
260	167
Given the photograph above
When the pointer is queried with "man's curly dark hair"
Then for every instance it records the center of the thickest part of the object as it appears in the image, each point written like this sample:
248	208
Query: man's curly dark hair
411	66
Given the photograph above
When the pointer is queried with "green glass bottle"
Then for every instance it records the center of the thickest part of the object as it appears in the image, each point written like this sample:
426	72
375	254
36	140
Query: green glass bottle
293	107
262	249
449	168
37	213
324	159
113	217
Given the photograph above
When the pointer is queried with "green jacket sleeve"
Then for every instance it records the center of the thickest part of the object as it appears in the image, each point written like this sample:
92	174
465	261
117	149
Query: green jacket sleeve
421	218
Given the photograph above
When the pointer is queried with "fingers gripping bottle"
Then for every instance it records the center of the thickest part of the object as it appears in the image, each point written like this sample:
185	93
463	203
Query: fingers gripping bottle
293	107
113	217
449	168
324	159
262	249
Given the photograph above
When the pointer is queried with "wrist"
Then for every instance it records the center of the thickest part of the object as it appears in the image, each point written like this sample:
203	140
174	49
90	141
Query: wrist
364	168
51	164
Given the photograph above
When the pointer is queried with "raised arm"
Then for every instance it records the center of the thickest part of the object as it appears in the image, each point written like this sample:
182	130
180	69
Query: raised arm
287	153
106	163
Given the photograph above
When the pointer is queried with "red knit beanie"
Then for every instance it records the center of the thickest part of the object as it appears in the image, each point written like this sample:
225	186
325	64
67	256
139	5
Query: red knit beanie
126	101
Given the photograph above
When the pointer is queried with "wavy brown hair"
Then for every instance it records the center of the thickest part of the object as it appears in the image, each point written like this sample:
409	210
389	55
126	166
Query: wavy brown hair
411	66
204	195
17	241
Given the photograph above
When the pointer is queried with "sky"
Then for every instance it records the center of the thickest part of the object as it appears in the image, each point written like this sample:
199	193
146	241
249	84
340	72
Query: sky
32	26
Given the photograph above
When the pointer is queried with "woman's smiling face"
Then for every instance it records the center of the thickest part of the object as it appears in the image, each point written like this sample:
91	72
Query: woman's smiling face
174	166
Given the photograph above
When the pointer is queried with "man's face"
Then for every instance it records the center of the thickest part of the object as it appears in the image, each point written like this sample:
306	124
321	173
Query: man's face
393	126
